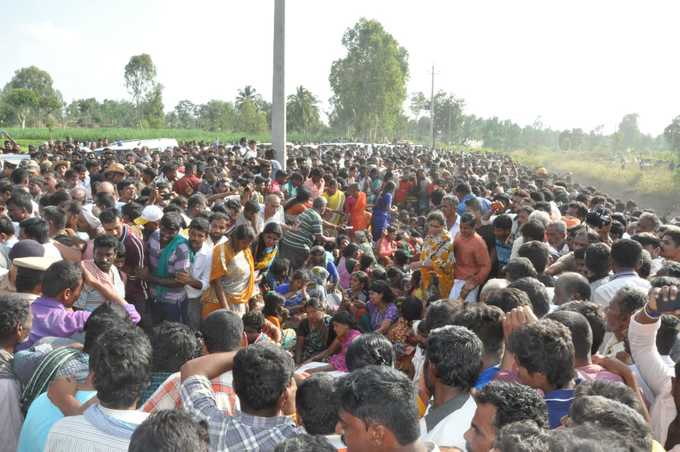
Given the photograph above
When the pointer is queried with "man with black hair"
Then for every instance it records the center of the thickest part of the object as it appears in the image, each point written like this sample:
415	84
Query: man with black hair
168	254
219	225
670	243
170	431
582	337
43	413
173	344
502	229
317	407
61	286
595	317
264	383
121	365
487	323
37	229
102	278
370	349
625	258
378	412
15	325
307	443
452	366
197	280
7	240
596	261
537	293
522	436
544	355
537	252
473	263
519	267
20	207
571	286
508	299
136	290
500	404
614	416
222	331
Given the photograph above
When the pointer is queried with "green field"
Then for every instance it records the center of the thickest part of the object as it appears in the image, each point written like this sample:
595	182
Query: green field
38	136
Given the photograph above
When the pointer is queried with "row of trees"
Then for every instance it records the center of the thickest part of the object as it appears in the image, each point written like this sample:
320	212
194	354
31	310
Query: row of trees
369	93
30	99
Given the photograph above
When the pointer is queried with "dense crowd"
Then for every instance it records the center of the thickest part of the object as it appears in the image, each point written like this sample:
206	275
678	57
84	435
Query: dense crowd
366	298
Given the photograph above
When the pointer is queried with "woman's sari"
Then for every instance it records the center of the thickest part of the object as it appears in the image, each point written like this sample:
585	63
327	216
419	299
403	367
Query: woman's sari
439	250
235	272
359	218
335	202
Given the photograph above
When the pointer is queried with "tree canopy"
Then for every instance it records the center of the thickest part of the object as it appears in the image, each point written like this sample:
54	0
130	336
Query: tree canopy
369	83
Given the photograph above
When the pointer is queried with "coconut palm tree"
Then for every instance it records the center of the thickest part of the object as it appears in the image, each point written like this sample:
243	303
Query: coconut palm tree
303	111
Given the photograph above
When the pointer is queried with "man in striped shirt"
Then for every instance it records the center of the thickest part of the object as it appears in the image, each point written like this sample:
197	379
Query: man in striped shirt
296	243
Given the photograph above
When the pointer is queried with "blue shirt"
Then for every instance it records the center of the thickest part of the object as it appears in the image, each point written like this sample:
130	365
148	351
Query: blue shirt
41	417
487	376
559	402
485	203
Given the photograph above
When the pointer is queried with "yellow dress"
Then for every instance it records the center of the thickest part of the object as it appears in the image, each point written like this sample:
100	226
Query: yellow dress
439	250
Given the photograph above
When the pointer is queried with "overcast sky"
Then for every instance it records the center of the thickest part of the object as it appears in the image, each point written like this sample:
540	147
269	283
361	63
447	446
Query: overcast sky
576	63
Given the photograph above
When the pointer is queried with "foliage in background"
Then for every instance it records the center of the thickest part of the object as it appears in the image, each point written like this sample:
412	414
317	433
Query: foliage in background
369	83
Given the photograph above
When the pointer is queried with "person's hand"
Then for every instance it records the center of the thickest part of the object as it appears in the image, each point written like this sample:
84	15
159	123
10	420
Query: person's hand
662	300
617	367
516	318
145	274
183	277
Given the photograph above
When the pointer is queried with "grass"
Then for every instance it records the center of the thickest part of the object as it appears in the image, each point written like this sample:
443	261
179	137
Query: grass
605	169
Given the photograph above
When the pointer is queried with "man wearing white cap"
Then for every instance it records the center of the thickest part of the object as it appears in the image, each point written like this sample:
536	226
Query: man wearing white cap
149	220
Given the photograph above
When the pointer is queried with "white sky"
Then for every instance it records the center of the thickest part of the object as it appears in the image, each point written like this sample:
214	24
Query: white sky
574	63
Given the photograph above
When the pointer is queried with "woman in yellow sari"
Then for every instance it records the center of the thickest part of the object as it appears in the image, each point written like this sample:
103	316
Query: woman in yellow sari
436	257
232	276
335	202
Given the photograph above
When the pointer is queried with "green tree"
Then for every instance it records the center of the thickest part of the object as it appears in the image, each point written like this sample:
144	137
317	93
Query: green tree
22	101
48	104
140	80
152	109
672	134
628	134
183	116
369	83
250	119
216	115
302	112
247	94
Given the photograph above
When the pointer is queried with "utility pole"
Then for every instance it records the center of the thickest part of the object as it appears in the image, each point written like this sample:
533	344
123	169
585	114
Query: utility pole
279	84
432	109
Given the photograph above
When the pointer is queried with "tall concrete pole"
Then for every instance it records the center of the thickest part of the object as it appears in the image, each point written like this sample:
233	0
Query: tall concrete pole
432	109
279	83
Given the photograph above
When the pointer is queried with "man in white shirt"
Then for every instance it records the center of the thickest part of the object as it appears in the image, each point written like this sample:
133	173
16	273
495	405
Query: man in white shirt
272	212
661	378
626	257
452	366
198	280
122	363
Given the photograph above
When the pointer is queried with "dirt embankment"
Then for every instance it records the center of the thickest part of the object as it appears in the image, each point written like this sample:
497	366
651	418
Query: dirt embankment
665	204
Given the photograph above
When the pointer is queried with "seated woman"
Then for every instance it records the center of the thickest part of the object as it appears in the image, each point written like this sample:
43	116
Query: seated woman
276	314
345	334
355	299
381	308
295	292
314	334
318	257
351	252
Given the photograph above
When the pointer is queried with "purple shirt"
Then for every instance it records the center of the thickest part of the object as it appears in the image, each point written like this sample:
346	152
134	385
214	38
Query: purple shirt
51	319
391	313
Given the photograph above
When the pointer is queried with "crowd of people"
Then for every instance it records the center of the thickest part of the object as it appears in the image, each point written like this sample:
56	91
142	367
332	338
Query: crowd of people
366	298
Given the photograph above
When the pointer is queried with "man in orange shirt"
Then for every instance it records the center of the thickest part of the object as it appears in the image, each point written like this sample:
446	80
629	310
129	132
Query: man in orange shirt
473	263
